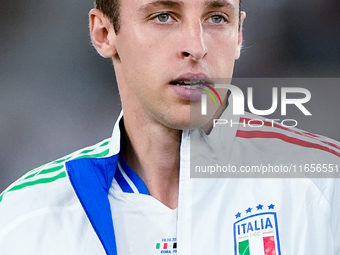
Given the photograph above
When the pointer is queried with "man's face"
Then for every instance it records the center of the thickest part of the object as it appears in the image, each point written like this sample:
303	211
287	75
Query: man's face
164	44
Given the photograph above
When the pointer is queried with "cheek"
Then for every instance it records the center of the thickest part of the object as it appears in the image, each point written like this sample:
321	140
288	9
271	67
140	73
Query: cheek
224	43
222	54
142	65
141	52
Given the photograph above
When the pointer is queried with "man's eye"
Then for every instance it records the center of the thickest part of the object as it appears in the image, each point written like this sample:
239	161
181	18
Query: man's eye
163	17
217	19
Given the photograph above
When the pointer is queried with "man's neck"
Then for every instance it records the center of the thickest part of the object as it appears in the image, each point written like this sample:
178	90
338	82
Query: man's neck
153	152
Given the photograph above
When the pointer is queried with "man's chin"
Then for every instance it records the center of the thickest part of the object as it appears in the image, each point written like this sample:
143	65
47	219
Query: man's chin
189	118
189	123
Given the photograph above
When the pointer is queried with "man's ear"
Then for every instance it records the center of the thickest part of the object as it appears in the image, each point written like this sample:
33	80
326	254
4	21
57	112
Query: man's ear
240	35
102	34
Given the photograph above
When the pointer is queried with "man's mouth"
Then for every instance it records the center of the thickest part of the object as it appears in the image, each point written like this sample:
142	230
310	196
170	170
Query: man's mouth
192	84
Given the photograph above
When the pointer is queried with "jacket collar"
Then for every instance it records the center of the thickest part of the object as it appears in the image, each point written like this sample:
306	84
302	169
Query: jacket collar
91	180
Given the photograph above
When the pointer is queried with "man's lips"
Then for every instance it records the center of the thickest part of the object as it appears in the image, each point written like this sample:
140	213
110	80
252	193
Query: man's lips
191	81
189	86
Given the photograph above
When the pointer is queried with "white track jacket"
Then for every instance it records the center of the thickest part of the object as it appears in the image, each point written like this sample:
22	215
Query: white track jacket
92	203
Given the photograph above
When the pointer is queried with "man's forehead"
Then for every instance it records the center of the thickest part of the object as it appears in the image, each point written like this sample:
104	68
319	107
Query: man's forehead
144	4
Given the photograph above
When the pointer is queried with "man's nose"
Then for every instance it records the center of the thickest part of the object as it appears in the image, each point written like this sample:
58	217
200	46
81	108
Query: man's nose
194	46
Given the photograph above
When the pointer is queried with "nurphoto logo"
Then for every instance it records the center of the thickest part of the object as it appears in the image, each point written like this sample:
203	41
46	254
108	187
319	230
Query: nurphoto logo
239	101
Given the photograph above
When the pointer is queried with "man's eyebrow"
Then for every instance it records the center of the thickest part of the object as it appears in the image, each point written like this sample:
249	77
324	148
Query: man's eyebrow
219	4
165	3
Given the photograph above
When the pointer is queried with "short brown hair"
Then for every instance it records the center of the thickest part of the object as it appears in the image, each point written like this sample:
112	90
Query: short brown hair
111	9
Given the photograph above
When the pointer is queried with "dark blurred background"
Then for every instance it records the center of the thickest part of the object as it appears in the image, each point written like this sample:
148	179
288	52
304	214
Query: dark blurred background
58	95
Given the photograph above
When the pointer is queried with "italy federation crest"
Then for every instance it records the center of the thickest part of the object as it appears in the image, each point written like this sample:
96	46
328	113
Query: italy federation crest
257	234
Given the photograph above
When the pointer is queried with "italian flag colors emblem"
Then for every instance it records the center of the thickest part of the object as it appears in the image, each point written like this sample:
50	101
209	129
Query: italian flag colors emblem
257	235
